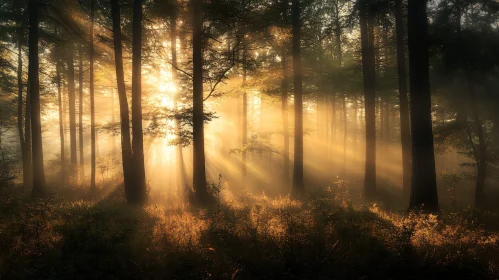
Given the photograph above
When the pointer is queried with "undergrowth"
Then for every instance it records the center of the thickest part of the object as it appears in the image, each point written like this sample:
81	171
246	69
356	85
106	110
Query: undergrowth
242	236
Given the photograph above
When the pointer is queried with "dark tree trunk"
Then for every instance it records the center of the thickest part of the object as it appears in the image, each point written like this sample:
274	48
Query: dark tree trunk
481	155
424	185
285	118
139	194
126	148
25	150
405	129
199	171
34	92
369	73
72	111
298	184
80	113
92	98
61	123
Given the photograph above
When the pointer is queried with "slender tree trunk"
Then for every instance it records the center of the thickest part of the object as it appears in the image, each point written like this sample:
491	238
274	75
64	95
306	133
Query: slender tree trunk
140	194
339	56
72	111
405	129
298	184
199	171
181	180
285	117
126	148
80	113
92	98
38	169
368	66
61	123
25	151
245	120
424	185
480	198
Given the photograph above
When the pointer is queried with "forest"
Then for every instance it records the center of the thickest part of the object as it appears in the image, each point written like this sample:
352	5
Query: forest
249	139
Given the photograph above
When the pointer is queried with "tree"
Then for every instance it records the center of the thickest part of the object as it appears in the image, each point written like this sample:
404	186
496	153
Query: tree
34	92
199	171
424	185
405	134
72	109
298	184
24	133
366	16
80	113
139	177
126	147
92	96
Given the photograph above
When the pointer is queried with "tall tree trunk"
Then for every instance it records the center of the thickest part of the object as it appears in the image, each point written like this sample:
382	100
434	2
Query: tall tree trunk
61	123
138	136
480	198
368	66
25	151
405	129
298	184
199	171
80	113
245	117
34	92
424	185
72	111
285	118
181	176
339	57
126	147
92	98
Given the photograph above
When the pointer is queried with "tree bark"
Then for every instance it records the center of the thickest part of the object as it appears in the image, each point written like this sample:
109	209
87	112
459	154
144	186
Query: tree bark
72	111
298	184
34	92
126	148
80	114
424	185
245	117
285	118
92	98
368	66
25	150
405	129
61	123
199	171
140	194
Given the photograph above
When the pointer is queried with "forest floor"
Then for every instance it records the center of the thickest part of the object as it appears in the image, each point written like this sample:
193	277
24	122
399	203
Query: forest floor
242	236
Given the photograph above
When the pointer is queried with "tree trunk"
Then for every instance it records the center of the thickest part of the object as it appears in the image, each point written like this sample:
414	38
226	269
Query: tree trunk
369	73
80	114
181	180
285	118
140	194
298	184
245	119
61	123
72	111
424	185
480	198
199	171
34	92
405	132
92	98
25	151
126	148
